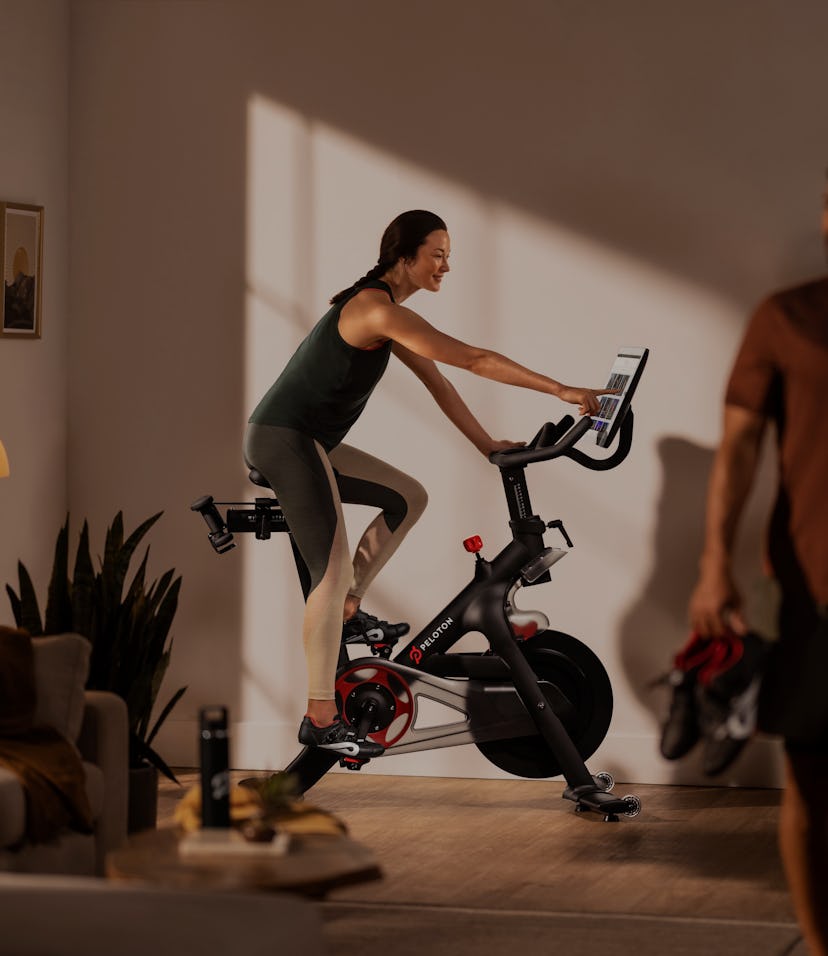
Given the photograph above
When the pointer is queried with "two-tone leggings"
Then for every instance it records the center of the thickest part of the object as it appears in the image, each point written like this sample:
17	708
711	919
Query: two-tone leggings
311	485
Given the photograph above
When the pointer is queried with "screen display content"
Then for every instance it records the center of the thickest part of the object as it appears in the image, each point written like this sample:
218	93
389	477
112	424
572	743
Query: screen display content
624	375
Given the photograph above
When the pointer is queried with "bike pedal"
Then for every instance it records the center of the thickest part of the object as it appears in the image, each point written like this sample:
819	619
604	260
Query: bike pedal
382	650
369	642
352	763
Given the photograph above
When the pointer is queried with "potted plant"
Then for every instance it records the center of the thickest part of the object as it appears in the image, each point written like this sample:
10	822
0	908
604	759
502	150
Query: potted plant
128	630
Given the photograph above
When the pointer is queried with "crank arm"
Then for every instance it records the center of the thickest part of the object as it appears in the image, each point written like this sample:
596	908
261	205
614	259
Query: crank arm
494	708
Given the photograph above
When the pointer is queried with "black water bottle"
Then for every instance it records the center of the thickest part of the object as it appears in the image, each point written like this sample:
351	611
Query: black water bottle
215	768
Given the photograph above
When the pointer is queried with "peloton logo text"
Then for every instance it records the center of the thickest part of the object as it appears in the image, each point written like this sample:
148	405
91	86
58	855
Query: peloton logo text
416	653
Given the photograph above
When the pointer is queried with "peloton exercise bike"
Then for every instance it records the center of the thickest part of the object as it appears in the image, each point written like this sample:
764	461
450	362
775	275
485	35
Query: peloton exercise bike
538	702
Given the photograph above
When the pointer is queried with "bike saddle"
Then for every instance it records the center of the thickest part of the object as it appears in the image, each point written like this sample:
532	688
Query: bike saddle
258	478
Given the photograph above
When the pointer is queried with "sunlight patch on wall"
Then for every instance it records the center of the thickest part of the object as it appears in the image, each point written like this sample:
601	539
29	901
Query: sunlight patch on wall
554	300
277	275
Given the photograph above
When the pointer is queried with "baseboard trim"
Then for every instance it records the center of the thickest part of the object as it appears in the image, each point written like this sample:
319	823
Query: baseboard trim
630	758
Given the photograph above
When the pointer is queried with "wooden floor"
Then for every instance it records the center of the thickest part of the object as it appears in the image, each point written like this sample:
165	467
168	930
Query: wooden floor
485	852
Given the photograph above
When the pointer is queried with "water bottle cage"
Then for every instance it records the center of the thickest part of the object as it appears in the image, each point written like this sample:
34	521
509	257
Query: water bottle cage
527	624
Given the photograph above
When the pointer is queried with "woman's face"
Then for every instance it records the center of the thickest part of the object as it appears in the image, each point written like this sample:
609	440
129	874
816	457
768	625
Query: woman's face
427	268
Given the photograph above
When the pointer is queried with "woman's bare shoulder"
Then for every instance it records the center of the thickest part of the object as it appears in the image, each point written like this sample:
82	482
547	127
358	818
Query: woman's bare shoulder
368	300
363	319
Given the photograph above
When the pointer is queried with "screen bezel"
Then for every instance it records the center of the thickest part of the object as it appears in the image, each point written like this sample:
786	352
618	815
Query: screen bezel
604	437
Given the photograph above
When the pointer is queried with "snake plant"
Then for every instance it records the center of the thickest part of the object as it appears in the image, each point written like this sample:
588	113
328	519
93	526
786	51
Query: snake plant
128	631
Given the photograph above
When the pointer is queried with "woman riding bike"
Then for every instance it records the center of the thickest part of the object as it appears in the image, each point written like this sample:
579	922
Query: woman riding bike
295	439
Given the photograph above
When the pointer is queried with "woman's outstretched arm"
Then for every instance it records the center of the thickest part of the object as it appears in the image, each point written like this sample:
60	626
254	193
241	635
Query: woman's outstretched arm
449	401
411	331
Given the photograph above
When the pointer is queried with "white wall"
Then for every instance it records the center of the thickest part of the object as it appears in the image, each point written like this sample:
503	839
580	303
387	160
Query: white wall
34	113
622	174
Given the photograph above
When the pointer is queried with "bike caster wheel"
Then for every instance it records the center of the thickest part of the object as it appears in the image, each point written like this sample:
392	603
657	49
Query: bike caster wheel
633	804
590	797
604	780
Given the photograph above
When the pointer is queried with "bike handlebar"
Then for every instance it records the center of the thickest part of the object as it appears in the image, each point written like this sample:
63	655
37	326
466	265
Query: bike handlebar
557	440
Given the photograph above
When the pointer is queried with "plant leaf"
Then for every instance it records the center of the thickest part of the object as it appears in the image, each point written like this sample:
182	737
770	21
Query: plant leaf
111	580
165	713
139	751
83	588
59	601
29	611
135	538
14	600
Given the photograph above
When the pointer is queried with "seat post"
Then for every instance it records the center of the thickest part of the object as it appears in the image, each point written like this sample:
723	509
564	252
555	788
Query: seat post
517	492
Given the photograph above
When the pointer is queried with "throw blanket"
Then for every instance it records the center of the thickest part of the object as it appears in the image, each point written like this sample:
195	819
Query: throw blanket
51	772
48	765
17	682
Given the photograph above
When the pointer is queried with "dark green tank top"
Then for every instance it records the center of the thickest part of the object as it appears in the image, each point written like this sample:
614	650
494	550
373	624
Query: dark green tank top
325	385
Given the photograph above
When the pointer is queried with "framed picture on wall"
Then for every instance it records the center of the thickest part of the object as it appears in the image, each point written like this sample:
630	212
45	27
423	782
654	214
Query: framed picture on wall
21	255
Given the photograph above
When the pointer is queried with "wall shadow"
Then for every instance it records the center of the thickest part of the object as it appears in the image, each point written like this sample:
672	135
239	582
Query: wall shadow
605	123
655	626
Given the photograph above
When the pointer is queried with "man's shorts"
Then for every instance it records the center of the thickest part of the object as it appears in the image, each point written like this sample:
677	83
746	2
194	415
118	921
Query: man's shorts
793	702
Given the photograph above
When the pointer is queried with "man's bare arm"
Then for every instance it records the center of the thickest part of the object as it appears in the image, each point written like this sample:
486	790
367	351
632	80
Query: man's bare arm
716	602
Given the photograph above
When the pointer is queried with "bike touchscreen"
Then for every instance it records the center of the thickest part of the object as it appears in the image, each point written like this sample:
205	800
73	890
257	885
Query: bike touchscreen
625	375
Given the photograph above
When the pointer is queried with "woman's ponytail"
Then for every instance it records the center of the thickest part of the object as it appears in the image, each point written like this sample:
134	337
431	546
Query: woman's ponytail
379	269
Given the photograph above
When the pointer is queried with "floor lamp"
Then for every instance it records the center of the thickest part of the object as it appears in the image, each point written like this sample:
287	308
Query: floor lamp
4	462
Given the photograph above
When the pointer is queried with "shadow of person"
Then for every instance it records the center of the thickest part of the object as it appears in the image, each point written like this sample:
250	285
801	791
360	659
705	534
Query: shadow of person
655	626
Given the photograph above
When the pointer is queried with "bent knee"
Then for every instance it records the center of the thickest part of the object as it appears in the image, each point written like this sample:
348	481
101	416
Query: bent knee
417	499
404	505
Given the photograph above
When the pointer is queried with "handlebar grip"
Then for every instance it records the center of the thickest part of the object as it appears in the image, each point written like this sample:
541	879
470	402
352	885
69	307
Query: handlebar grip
566	436
518	457
574	434
551	432
210	513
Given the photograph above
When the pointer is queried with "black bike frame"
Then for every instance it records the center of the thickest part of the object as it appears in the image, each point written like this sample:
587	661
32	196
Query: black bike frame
480	606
